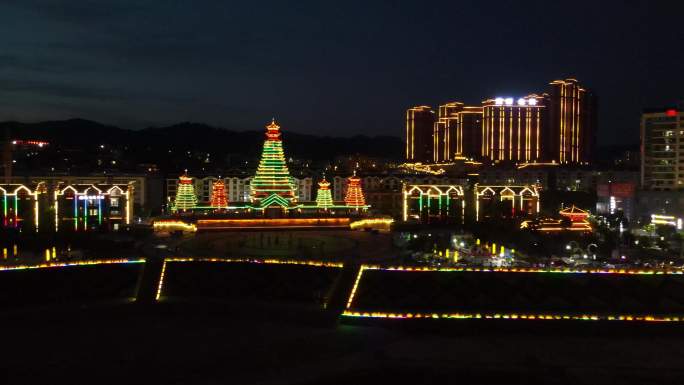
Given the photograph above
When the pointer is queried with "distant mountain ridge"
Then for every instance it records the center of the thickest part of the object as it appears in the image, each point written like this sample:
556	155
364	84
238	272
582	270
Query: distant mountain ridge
202	137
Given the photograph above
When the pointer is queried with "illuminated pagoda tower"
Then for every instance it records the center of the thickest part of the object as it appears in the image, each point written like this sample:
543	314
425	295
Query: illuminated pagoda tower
272	183
323	195
185	195
354	197
218	194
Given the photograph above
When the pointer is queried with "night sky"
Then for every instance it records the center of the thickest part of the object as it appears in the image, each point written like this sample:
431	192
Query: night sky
335	68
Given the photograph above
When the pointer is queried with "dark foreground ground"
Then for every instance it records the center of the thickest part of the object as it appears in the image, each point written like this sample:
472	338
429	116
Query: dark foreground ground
247	343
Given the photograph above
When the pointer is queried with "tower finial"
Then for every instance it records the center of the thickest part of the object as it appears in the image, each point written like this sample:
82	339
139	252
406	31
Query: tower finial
273	125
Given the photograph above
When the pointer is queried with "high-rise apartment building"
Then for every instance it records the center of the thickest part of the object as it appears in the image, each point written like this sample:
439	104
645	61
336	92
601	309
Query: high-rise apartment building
512	129
443	130
558	126
571	128
662	148
419	134
456	133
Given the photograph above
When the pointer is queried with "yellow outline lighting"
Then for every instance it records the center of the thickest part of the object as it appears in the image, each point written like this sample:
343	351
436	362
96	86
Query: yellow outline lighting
524	270
70	264
370	222
356	285
173	225
585	317
161	281
514	316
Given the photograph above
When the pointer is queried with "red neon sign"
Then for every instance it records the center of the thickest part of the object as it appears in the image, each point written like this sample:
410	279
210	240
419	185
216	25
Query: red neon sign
671	112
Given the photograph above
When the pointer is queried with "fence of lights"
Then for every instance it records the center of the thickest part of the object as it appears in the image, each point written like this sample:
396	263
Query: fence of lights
375	223
514	316
70	264
350	312
173	225
499	101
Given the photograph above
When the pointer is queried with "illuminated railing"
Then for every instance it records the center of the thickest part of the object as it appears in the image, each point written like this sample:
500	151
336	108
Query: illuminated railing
173	225
69	264
256	260
350	312
383	223
514	316
520	270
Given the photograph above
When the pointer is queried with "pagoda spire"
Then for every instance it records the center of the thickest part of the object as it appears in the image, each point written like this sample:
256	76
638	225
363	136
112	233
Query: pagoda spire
323	195
272	176
185	193
219	199
354	197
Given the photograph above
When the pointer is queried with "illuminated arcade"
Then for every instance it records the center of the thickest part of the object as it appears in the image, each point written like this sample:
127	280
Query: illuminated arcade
86	207
21	206
434	203
67	207
505	201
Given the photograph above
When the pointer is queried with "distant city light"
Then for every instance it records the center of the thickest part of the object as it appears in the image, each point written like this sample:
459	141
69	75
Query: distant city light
522	102
508	101
532	102
38	143
499	101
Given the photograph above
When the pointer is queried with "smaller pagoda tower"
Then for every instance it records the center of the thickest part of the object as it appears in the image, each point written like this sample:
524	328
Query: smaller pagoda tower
323	195
218	194
354	197
185	194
